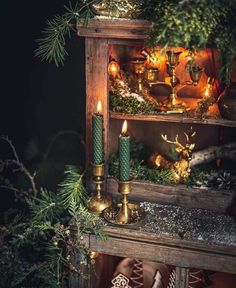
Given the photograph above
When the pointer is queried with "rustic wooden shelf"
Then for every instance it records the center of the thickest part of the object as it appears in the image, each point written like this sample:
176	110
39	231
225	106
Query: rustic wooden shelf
177	118
218	201
140	241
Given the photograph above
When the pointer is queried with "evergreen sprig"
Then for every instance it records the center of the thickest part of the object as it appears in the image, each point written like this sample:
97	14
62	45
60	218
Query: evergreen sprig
45	208
72	189
51	47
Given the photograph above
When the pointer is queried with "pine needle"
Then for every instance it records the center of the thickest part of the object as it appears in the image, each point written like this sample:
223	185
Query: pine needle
72	189
51	47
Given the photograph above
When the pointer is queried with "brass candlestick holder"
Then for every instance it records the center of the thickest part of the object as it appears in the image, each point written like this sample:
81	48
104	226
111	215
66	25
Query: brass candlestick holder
98	202
124	213
195	73
139	69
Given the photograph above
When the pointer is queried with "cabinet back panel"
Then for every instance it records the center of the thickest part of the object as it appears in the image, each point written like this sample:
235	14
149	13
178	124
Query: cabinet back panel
149	133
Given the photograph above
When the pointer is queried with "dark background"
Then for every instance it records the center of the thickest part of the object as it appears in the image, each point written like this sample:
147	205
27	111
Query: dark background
42	107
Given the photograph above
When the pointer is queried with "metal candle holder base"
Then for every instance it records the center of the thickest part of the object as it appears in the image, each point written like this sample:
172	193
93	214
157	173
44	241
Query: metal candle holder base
124	213
174	104
97	203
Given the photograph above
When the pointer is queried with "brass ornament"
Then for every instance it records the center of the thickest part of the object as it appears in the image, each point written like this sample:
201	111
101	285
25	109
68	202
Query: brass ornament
139	69
116	8
181	167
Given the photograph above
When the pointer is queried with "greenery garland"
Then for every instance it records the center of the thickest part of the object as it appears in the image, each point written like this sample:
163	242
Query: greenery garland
193	24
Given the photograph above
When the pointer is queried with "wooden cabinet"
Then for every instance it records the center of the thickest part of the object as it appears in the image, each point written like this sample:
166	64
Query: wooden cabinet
122	38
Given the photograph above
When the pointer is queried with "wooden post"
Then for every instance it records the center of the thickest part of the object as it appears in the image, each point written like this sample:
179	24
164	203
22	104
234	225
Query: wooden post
181	279
96	88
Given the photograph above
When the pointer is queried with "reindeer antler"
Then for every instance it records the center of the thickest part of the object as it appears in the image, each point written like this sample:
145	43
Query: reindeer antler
190	133
176	142
179	147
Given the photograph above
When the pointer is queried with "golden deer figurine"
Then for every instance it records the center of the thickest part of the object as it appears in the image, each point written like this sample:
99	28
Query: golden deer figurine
180	167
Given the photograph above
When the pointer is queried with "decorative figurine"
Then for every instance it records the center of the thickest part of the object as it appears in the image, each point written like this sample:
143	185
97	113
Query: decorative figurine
181	167
116	8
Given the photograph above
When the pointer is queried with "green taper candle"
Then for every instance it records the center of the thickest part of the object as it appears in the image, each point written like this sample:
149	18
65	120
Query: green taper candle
124	154
97	136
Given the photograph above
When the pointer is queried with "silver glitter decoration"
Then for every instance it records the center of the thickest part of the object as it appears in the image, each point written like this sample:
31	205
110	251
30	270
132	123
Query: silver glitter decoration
185	223
191	224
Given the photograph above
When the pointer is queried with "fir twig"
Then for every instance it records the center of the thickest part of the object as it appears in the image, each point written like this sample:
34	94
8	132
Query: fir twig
51	47
72	189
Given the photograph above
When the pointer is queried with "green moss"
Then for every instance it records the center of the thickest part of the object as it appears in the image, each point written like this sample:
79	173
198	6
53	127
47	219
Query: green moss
130	105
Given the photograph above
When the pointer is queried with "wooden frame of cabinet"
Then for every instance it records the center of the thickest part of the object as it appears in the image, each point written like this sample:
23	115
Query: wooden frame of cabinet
99	34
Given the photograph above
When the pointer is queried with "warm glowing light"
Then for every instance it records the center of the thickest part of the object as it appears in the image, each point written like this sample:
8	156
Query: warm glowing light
124	127
93	254
209	88
167	80
207	91
113	68
99	107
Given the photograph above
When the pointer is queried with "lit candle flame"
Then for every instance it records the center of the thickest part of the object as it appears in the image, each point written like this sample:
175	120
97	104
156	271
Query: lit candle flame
124	127
207	92
99	107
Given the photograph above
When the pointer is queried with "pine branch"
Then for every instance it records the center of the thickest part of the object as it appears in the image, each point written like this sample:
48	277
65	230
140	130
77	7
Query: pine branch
72	188
89	222
45	208
51	47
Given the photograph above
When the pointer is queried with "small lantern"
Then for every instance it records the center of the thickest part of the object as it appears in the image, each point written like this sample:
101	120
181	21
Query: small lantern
113	68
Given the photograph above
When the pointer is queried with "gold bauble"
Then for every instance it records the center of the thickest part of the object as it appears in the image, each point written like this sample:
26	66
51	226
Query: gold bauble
116	8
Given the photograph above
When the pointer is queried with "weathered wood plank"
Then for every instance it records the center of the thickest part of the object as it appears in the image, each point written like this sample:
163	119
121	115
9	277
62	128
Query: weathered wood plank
214	200
179	256
116	28
174	118
137	233
96	88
